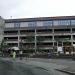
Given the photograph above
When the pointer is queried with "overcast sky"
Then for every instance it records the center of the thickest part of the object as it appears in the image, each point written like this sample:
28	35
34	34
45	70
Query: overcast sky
36	8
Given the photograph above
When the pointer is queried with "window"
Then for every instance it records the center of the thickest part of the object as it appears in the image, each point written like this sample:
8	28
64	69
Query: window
61	22
72	22
16	25
64	22
32	24
55	23
47	23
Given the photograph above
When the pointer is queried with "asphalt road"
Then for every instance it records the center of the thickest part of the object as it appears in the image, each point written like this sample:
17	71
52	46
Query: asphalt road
14	68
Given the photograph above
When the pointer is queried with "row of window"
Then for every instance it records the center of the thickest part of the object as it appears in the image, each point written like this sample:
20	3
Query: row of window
59	22
49	23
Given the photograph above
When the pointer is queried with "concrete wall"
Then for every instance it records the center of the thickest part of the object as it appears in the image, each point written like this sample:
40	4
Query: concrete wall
1	28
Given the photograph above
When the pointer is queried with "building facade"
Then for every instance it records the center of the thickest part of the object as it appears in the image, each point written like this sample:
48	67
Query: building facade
40	34
1	28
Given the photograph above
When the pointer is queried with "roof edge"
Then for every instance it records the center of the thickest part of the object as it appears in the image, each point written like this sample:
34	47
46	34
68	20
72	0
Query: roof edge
39	18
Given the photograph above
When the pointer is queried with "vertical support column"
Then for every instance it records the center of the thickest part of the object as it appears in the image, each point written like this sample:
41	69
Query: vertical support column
18	38
57	44
71	40
71	37
53	39
35	41
62	46
2	24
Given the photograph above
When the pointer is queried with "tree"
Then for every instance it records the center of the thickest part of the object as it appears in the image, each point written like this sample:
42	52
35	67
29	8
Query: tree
3	46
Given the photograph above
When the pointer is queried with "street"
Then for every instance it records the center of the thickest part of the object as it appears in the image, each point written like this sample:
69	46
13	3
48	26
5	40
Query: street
8	66
14	68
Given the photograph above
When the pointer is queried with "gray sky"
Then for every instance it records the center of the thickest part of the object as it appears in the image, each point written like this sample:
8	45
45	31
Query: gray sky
36	8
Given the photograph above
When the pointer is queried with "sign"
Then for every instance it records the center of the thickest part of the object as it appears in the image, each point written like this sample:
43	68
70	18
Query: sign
59	49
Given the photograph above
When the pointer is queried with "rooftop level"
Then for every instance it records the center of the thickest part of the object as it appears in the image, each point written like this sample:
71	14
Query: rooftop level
40	19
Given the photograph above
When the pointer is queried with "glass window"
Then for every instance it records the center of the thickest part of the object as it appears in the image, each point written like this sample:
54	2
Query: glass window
61	22
64	22
55	23
72	22
47	23
16	25
32	24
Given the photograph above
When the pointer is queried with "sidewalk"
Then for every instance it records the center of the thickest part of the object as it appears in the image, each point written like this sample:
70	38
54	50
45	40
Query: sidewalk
67	66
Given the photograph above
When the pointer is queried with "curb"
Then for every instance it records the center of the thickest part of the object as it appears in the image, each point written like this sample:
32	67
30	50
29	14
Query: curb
65	71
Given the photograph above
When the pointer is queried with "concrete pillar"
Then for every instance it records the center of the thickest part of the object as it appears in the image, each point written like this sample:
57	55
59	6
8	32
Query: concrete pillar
2	24
53	39
71	37
18	38
35	41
